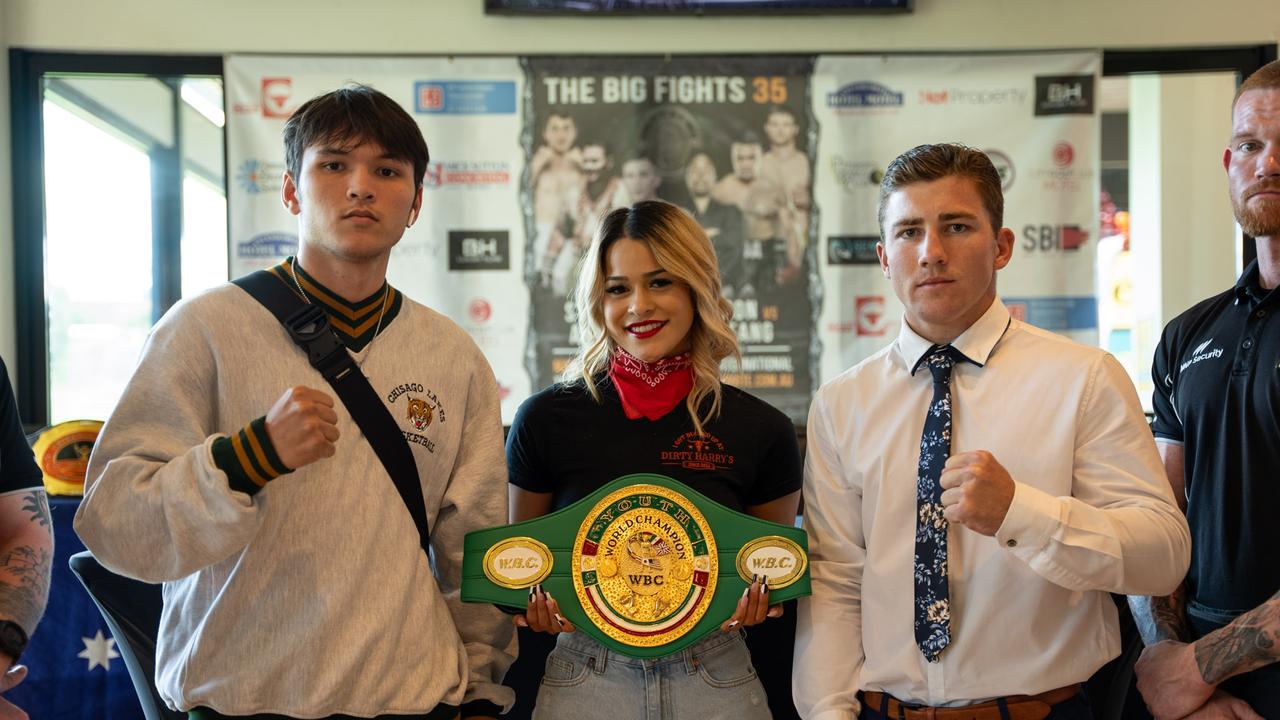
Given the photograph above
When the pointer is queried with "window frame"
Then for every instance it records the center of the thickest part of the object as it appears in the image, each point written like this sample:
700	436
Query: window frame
27	70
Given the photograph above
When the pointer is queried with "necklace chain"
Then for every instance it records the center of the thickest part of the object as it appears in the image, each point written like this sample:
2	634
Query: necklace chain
293	272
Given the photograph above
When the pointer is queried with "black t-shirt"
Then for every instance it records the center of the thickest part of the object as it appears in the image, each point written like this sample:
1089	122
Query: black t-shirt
18	469
562	441
1217	378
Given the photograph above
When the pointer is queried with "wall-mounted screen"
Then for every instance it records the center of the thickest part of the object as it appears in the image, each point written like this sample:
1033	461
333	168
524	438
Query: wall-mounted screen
694	7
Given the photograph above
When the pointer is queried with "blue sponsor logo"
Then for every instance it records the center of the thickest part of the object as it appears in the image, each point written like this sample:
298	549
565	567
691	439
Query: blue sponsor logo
256	176
863	95
465	97
1058	314
268	245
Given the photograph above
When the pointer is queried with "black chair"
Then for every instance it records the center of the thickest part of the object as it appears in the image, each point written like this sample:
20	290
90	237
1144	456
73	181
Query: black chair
132	611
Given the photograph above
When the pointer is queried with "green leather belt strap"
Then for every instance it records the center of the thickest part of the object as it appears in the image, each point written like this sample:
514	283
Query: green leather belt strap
645	565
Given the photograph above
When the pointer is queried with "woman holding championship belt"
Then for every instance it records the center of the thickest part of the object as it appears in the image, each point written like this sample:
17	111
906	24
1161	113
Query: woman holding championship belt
644	395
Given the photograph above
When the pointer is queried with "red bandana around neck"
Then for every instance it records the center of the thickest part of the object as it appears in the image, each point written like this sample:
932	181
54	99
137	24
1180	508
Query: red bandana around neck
650	390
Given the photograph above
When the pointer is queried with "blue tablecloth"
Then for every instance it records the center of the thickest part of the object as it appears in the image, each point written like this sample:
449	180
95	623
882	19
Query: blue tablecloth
76	673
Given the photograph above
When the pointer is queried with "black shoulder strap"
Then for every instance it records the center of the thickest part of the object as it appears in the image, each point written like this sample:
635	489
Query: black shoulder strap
308	325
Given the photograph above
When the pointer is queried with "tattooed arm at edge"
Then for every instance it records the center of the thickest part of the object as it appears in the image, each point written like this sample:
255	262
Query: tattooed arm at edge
26	553
1247	643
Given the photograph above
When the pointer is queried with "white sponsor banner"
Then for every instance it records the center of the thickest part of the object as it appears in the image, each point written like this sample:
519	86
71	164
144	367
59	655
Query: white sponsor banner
1033	113
465	255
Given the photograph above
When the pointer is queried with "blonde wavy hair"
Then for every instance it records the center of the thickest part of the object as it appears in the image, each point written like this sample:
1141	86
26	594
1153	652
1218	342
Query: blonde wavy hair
682	248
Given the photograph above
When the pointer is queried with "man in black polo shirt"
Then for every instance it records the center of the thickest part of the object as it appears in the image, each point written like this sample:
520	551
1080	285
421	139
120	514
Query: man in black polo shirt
1214	645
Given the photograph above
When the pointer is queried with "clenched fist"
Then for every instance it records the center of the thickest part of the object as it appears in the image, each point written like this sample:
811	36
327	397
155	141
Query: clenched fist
303	426
976	491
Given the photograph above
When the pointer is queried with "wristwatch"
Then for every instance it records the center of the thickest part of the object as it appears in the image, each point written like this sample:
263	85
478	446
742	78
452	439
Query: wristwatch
13	639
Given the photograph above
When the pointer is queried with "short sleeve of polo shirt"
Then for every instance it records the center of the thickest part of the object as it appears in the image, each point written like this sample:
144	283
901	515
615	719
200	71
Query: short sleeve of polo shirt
18	469
1166	425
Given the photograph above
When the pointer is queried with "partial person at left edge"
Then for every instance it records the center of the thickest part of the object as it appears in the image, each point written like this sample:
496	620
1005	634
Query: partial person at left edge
26	545
295	584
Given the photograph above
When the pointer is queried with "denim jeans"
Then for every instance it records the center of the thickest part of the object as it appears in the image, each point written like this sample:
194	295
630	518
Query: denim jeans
711	680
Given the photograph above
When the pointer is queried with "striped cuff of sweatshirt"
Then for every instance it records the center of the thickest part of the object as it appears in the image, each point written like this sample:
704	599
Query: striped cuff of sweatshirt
248	458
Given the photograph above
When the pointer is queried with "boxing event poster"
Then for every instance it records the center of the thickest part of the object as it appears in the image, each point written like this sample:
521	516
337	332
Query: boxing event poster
778	158
728	139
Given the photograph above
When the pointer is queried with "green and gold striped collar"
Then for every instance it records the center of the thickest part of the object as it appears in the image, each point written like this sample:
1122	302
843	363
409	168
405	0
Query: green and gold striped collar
356	323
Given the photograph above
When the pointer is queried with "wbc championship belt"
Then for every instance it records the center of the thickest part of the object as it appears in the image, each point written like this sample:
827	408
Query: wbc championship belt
645	565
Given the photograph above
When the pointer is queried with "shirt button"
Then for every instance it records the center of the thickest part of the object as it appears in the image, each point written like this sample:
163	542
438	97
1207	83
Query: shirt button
1011	543
1260	313
1248	343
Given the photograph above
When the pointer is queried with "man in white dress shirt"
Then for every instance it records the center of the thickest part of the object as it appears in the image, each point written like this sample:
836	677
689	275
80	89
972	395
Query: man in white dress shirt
1051	496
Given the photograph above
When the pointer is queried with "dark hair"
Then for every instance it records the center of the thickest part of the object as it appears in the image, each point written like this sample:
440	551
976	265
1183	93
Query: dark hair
748	138
561	112
925	163
596	141
781	110
349	116
1266	77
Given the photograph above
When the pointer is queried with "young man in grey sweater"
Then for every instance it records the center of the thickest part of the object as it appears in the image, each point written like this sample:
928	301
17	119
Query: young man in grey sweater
294	581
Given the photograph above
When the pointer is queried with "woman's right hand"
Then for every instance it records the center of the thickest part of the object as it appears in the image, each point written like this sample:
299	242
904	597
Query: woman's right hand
543	614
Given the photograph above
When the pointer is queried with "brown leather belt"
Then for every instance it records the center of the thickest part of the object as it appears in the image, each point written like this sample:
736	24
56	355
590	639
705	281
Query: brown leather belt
1020	707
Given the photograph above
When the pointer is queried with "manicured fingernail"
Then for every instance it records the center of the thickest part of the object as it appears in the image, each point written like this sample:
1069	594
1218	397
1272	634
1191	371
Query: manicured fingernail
746	590
533	591
733	624
764	586
549	598
559	619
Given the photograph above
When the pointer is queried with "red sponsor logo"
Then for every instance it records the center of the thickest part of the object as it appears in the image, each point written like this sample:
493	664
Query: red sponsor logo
869	313
480	310
430	97
277	92
1063	154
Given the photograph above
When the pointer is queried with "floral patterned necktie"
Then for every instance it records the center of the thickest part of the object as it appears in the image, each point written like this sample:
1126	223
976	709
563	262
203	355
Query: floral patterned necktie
932	599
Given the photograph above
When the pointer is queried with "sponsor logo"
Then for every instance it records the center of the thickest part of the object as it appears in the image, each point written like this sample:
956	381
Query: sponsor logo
479	310
256	177
692	451
1063	176
465	97
981	97
1064	95
1063	154
1200	354
1053	238
1004	166
277	96
852	250
268	245
478	174
869	314
479	250
1056	313
864	95
853	174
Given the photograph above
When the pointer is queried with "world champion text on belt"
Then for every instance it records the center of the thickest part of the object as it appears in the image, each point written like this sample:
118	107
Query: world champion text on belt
645	565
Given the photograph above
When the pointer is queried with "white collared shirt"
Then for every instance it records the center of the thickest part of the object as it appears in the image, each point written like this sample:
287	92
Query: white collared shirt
1092	513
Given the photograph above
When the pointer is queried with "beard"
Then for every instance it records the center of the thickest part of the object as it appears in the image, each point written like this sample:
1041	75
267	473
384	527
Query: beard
1259	219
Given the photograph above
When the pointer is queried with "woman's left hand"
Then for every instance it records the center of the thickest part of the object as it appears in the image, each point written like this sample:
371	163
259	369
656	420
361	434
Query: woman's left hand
753	608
